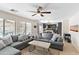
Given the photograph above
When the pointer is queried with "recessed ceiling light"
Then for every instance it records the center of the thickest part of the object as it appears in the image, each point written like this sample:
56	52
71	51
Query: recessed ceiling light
13	10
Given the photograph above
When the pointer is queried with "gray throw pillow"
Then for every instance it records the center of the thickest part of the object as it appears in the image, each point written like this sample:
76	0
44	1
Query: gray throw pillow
22	37
14	38
60	39
47	35
2	45
7	40
55	36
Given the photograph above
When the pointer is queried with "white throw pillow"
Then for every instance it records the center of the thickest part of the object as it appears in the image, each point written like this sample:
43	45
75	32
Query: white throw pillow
7	40
2	45
54	37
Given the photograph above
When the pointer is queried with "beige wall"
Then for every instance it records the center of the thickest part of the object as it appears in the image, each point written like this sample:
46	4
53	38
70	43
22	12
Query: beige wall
65	26
74	20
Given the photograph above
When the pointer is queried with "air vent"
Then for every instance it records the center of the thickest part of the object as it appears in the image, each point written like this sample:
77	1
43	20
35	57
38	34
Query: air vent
13	10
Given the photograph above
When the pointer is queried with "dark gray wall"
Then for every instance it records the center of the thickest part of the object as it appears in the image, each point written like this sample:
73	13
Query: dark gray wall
60	28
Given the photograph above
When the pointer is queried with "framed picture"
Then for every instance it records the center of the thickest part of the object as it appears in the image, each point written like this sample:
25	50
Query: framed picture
74	28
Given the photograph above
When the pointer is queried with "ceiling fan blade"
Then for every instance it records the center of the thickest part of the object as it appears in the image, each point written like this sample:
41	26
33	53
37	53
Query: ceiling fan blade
46	12
33	14
32	11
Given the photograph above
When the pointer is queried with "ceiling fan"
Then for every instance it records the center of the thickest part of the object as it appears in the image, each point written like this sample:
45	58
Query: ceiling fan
39	11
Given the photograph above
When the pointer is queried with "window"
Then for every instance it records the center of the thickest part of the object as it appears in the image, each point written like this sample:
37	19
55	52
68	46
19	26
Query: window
22	28
9	27
28	28
1	27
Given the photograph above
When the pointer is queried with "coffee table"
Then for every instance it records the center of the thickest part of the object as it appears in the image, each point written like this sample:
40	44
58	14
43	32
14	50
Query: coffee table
44	45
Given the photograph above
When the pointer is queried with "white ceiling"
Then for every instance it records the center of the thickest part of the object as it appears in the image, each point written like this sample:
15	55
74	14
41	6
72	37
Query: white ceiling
59	10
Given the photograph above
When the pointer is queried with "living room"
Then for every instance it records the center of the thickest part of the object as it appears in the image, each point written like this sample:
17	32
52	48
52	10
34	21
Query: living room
39	29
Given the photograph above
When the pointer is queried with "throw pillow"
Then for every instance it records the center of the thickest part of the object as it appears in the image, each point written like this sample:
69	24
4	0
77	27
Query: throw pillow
14	38
55	37
46	35
2	45
60	39
7	40
22	37
52	39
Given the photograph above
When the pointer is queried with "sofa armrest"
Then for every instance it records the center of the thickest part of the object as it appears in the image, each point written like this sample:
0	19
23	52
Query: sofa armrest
57	45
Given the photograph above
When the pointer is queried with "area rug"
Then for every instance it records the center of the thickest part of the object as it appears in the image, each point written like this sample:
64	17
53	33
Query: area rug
40	52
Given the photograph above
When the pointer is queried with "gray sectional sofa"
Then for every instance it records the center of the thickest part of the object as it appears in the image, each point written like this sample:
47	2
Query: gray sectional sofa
14	47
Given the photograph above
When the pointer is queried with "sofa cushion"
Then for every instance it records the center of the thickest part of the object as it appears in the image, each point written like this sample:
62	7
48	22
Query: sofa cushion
9	51
47	35
20	45
57	45
44	40
14	38
7	40
15	44
2	45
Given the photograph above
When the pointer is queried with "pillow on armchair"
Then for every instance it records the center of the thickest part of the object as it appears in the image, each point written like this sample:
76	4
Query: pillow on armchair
55	37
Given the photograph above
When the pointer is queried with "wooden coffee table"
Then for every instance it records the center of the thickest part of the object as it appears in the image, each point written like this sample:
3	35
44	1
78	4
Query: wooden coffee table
44	45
